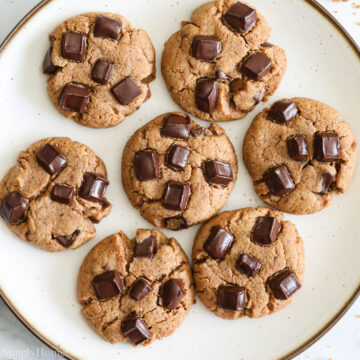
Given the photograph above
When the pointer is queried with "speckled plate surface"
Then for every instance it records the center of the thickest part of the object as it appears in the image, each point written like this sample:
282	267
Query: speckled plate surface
41	287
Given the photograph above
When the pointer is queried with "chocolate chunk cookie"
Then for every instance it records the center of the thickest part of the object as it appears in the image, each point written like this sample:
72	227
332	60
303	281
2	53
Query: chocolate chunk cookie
135	290
299	153
178	173
247	262
219	66
99	69
55	194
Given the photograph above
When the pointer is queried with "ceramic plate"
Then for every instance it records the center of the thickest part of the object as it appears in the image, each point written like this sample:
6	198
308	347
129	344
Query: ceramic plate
40	287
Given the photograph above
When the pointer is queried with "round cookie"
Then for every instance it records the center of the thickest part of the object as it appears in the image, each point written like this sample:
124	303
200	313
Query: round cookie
177	173
55	194
299	153
137	290
219	66
100	68
247	262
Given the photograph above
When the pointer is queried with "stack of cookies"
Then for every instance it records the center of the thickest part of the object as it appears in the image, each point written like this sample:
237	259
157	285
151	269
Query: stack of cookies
217	67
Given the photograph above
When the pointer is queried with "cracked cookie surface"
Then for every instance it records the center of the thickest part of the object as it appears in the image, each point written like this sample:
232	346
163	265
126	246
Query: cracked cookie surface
295	138
43	198
180	157
235	85
112	65
156	265
256	293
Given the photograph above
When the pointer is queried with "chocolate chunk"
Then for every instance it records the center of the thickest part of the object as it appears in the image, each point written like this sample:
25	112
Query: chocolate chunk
135	330
257	66
13	208
146	248
106	27
327	147
279	181
178	156
200	131
218	172
176	126
231	298
266	45
172	292
93	187
206	95
126	91
176	195
62	194
108	285
51	160
73	46
240	18
326	180
248	264
101	71
176	223
146	165
284	284
219	74
297	148
266	230
282	111
206	47
48	67
218	243
74	98
67	241
140	289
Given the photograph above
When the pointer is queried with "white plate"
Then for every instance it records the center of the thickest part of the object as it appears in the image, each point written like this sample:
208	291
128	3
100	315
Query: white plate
40	287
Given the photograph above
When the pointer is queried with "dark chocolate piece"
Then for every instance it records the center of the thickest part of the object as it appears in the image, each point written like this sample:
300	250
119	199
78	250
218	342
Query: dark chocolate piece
126	91
240	18
248	264
74	98
108	285
135	330
101	71
93	187
282	111
176	126
327	147
284	284
146	248
266	230
231	298
219	74
140	289
106	27
62	194
200	131
217	172
297	148
51	160
266	44
218	243
326	180
172	292
176	195
177	157
257	66
279	181
48	67
206	47
206	95
67	241
73	46
146	165
13	207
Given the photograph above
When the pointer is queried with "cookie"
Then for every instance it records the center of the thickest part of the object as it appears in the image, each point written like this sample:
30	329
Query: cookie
177	173
99	69
219	66
135	290
247	262
299	153
55	194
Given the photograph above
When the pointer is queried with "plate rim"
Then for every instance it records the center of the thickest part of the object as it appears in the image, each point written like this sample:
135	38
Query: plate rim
290	355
